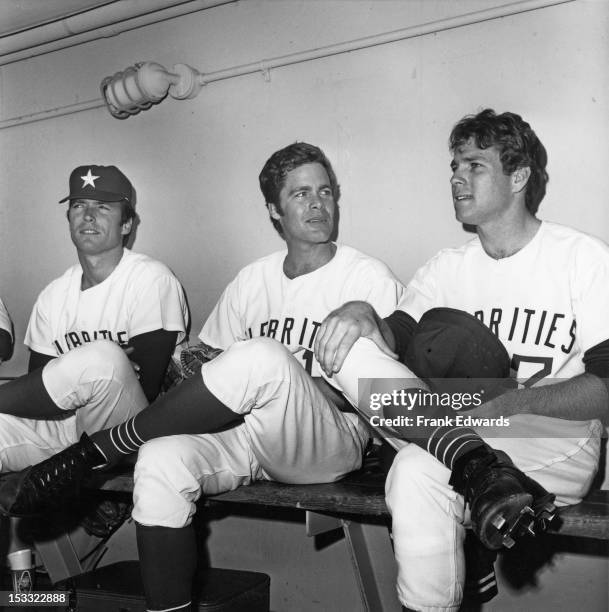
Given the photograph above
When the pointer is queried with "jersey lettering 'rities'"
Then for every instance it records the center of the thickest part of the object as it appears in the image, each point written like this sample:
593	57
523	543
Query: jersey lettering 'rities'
529	326
75	339
288	331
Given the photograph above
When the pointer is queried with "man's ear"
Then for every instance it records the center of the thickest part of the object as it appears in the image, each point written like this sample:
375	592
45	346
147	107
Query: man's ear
520	178
126	227
273	211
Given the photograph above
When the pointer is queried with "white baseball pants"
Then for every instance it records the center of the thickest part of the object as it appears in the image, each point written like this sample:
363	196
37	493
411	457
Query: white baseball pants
95	384
290	433
429	518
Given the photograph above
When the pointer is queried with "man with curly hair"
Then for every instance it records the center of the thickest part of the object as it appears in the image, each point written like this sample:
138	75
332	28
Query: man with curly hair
543	290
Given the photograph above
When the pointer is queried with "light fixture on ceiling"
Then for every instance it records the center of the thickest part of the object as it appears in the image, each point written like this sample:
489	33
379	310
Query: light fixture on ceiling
140	86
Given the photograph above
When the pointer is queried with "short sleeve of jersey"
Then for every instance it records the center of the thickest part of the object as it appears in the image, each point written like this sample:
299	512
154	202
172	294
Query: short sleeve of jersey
224	326
376	285
159	303
5	320
590	290
421	293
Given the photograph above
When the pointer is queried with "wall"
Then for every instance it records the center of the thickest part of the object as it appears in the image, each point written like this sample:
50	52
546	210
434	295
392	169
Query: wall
382	115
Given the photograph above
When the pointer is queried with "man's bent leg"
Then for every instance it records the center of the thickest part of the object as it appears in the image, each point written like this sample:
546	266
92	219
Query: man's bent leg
99	382
296	433
504	503
428	532
26	397
90	388
24	442
170	475
96	383
258	378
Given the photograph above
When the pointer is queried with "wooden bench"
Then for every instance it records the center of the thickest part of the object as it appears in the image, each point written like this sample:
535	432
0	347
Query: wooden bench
361	494
355	504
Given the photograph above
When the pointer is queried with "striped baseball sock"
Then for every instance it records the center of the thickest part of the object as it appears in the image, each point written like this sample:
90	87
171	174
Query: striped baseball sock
124	438
448	444
189	408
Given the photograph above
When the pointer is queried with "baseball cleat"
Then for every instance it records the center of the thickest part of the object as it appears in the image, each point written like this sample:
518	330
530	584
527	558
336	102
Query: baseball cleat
543	505
505	504
49	484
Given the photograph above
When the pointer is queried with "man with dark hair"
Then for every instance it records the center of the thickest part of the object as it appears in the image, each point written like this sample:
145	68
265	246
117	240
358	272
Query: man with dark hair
542	289
114	300
6	333
260	409
273	175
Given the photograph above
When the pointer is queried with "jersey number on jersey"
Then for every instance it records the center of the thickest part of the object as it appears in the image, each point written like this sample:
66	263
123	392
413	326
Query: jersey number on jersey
545	364
307	359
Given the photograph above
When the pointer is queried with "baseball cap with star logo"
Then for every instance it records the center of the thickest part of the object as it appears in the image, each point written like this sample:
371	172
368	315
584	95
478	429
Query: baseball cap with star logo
103	183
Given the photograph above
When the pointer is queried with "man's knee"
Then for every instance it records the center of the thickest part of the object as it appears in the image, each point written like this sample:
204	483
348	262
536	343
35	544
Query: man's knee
265	350
261	358
413	469
102	355
164	488
102	351
161	459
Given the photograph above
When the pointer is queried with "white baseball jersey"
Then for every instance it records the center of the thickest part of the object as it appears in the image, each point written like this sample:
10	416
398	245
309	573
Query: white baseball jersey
263	301
5	320
140	295
548	303
290	431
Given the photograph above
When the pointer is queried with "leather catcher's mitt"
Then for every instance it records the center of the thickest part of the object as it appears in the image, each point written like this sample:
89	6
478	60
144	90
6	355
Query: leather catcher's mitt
188	364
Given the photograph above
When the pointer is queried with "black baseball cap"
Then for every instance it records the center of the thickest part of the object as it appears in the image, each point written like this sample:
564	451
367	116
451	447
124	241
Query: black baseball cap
453	351
103	183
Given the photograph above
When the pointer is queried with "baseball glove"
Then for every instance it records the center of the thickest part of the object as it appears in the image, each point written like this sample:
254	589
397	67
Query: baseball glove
188	363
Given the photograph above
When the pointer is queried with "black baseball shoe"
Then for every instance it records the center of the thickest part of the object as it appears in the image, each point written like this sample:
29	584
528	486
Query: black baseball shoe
50	483
504	503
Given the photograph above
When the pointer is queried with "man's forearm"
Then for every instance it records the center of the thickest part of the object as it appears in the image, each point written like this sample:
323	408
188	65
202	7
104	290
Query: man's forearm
580	398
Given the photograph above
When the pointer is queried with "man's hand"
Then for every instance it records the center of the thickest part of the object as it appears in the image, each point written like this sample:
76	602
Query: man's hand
343	327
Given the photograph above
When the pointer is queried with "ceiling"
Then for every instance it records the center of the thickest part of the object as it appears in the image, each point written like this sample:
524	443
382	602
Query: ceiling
19	15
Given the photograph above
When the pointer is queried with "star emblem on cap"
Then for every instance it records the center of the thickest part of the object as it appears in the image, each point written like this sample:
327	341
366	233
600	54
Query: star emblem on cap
89	179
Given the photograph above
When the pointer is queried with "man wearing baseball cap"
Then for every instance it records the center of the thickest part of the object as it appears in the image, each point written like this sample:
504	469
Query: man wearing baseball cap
103	183
112	300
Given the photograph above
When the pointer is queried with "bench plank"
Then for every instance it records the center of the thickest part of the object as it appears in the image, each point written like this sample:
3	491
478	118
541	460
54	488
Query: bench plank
589	519
362	494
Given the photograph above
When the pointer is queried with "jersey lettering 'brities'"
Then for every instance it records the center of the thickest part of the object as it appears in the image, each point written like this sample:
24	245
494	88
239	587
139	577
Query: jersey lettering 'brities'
527	325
